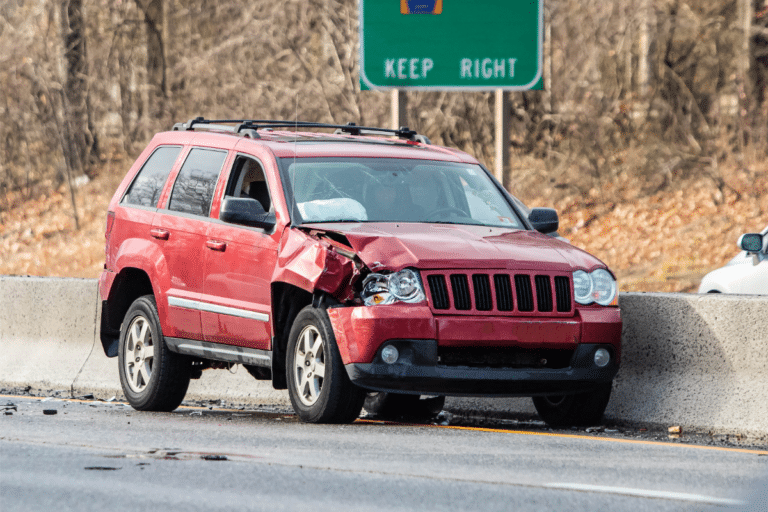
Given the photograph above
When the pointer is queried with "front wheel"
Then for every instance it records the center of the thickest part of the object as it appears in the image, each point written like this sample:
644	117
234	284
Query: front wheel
583	409
318	384
153	378
399	406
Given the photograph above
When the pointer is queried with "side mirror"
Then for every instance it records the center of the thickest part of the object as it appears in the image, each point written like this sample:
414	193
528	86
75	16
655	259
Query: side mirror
751	242
247	212
544	220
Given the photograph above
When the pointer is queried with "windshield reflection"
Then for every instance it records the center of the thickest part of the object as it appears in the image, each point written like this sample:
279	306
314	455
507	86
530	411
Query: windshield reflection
395	190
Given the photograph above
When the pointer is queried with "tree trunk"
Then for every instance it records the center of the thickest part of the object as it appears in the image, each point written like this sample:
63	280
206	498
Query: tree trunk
155	21
646	34
77	111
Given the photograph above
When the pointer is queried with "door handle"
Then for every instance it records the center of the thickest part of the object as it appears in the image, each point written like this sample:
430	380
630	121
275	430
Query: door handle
216	245
160	234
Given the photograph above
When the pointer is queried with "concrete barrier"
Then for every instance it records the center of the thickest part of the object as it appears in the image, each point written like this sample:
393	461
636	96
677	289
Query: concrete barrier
49	340
699	361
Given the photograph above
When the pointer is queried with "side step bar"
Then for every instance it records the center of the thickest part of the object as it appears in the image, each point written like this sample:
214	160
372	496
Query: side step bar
220	352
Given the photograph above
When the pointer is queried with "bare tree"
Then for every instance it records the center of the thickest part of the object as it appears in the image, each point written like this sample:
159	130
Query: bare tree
79	124
155	20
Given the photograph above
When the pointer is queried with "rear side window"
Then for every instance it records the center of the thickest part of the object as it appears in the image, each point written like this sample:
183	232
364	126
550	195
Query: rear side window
193	190
146	187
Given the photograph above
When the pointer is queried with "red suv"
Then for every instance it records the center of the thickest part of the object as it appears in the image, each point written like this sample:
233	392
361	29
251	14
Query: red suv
360	266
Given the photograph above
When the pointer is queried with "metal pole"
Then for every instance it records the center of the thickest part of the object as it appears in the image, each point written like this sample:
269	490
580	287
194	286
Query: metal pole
399	107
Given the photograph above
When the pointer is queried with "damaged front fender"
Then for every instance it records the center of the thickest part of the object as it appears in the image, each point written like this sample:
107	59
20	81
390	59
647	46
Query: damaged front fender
314	262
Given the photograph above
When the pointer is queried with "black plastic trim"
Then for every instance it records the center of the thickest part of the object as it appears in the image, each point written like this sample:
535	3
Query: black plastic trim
417	372
109	336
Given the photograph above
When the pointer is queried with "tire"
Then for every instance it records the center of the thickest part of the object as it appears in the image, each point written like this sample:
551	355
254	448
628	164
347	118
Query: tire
398	406
318	385
153	378
581	410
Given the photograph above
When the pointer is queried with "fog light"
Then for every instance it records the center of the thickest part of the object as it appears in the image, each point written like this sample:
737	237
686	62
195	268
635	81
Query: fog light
602	357
389	354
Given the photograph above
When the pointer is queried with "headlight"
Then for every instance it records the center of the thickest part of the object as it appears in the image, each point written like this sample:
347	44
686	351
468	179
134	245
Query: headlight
603	287
376	290
582	287
598	286
404	286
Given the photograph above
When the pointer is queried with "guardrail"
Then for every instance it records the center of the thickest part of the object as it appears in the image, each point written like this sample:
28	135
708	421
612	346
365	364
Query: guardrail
699	361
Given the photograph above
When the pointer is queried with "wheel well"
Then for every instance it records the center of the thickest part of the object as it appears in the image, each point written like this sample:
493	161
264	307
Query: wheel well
287	301
129	285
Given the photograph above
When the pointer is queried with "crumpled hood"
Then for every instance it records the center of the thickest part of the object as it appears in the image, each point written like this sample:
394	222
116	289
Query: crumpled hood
444	246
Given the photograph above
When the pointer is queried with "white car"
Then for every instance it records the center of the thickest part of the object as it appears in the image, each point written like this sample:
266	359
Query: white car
747	273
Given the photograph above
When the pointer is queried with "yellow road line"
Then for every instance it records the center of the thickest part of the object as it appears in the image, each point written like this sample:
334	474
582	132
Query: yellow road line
456	427
574	436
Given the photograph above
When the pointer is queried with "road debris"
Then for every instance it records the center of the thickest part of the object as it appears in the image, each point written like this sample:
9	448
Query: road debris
50	412
674	432
443	418
214	457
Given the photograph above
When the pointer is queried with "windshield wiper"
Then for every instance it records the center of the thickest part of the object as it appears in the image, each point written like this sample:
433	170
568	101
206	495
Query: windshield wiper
332	220
458	223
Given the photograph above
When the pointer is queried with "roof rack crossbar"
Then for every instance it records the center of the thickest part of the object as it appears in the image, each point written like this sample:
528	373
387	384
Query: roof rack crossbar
254	124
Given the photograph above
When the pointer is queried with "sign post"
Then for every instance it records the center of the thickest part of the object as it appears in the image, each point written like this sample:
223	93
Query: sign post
453	45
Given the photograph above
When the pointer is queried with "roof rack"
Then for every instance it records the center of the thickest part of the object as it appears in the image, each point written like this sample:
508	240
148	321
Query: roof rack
249	127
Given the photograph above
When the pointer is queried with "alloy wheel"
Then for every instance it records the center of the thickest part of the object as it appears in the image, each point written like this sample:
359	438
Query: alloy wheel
309	365
139	354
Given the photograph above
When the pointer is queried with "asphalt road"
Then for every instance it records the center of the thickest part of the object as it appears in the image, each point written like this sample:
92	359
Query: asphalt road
106	456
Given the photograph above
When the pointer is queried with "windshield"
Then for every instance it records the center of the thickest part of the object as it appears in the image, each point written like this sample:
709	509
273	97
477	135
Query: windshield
394	190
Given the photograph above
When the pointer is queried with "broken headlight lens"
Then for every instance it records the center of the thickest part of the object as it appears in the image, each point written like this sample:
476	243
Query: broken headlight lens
404	286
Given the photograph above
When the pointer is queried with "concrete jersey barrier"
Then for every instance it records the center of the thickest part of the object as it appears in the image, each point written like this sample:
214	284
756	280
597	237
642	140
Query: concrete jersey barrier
49	340
699	361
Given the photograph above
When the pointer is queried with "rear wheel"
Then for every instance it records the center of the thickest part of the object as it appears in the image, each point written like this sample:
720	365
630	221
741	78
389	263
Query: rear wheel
318	384
583	409
398	406
153	378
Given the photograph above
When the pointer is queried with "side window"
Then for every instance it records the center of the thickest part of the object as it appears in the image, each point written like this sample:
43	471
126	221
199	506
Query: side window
193	190
248	180
146	187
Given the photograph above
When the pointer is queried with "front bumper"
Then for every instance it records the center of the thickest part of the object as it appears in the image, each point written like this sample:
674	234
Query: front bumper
417	371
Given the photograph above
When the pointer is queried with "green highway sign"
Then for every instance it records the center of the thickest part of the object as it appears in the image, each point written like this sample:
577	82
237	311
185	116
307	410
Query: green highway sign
451	44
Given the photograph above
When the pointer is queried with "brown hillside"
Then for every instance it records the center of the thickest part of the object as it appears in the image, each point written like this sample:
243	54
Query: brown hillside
665	241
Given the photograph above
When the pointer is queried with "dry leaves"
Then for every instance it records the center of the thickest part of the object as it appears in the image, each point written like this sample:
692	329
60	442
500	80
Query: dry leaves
668	241
38	237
